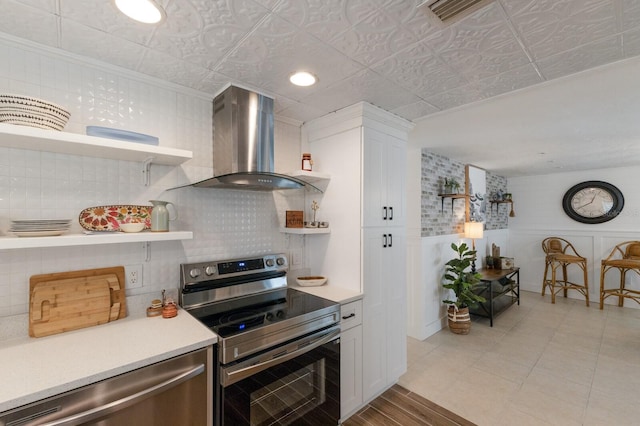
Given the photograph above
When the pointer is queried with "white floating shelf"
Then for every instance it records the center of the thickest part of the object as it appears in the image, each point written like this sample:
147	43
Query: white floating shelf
24	137
310	177
11	242
317	181
305	231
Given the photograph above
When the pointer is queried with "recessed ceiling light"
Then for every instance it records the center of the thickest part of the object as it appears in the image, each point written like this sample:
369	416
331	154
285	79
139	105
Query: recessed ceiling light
146	11
303	78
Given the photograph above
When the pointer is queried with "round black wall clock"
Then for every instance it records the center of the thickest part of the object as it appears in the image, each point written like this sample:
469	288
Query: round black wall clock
593	202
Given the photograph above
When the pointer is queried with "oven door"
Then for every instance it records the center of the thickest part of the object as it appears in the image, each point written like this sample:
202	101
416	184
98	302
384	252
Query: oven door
298	382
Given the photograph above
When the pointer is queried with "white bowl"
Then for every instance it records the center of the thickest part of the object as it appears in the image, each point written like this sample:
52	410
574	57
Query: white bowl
31	102
33	112
29	120
311	281
132	227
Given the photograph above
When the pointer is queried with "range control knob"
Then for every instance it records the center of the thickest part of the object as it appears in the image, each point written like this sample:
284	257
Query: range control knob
270	262
280	261
280	314
210	270
269	316
194	273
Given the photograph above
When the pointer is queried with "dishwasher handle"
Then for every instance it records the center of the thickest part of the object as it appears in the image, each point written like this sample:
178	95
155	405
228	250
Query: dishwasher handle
127	401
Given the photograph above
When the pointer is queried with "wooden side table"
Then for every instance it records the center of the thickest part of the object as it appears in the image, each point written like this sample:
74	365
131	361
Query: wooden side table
501	288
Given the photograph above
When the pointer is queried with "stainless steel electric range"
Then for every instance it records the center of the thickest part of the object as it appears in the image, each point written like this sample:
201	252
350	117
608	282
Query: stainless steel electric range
278	353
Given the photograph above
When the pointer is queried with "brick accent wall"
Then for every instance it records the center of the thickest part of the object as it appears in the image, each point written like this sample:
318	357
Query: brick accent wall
498	214
438	217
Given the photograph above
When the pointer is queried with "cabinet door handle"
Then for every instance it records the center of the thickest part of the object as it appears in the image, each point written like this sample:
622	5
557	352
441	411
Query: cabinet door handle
385	240
346	317
384	217
390	213
390	240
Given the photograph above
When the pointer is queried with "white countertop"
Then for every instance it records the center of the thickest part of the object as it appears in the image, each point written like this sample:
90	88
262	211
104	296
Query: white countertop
36	368
337	294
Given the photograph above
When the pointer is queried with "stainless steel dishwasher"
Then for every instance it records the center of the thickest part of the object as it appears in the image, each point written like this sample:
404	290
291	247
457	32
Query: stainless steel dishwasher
171	392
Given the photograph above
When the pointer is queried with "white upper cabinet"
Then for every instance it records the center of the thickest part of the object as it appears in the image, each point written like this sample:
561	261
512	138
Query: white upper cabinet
384	188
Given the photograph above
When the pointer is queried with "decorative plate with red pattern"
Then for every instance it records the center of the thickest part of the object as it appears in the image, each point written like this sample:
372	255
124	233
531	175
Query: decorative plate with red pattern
108	218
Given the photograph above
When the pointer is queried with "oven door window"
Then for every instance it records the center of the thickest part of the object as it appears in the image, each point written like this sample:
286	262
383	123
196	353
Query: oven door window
303	391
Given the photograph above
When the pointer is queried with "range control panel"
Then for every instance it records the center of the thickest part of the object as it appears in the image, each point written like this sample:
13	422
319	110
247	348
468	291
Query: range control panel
195	273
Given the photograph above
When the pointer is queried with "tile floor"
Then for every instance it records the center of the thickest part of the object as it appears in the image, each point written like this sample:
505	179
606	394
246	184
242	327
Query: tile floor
540	364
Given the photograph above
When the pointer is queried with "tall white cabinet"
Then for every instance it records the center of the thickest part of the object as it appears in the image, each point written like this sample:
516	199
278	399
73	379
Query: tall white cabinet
363	148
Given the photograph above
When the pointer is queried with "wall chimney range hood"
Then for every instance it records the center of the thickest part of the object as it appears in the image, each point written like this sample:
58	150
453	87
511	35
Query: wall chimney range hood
243	144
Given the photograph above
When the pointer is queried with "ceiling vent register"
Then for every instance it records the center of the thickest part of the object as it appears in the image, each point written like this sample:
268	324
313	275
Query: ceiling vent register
452	10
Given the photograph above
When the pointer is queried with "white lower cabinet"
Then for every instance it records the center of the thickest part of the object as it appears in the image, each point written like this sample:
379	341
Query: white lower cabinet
384	309
350	358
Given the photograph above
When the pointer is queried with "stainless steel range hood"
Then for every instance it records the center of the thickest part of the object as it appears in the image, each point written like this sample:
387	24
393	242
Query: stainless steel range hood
243	144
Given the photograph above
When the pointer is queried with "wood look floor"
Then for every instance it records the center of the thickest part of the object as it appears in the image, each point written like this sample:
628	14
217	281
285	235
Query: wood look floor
399	406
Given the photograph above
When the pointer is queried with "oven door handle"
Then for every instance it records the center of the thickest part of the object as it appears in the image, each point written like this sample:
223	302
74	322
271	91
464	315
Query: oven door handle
231	375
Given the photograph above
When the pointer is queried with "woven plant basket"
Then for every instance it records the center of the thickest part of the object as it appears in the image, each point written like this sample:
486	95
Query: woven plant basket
459	320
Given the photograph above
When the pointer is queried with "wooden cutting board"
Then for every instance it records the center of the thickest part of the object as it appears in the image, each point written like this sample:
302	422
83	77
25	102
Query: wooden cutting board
67	301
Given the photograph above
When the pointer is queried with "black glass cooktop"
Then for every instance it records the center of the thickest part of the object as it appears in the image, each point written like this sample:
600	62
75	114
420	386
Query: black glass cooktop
232	317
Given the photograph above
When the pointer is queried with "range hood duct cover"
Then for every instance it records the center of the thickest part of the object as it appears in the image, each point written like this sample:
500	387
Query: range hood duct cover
243	144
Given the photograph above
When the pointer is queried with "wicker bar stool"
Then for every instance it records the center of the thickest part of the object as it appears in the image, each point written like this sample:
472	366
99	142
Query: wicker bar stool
559	254
624	257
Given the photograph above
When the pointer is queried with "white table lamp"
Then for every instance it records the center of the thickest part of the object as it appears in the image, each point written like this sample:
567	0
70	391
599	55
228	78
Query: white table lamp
473	230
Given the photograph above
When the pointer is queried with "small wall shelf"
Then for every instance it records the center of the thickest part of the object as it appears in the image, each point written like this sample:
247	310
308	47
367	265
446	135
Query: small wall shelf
512	213
10	242
305	231
318	180
311	177
453	197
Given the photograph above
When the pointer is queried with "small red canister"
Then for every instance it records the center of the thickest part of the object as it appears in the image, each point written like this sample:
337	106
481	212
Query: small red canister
307	163
169	311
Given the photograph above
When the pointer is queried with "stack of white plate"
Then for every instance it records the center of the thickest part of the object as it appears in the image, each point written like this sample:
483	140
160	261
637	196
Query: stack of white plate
33	112
39	227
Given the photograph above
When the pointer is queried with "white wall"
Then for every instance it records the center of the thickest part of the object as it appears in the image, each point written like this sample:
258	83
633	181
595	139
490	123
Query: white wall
36	184
338	254
539	214
427	312
415	290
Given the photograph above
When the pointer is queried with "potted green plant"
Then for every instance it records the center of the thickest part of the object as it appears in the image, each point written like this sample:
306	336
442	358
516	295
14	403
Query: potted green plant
461	282
451	186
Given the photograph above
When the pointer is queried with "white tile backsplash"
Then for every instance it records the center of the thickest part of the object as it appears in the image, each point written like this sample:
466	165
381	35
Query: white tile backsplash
36	184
